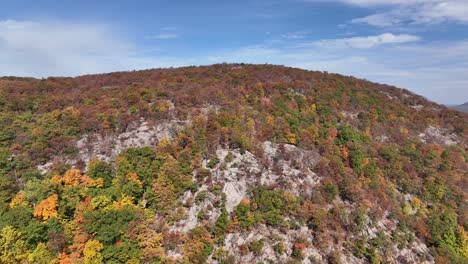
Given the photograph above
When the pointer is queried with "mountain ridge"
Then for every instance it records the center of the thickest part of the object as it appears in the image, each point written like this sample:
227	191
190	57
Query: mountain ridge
462	107
231	163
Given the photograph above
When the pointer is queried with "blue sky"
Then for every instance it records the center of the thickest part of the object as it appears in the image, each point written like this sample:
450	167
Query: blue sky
421	45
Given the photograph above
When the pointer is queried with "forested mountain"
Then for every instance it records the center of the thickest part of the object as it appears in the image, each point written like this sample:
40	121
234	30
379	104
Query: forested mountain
229	163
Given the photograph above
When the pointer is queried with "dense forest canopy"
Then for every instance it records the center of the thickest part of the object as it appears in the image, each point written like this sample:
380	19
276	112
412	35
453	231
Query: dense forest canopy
378	158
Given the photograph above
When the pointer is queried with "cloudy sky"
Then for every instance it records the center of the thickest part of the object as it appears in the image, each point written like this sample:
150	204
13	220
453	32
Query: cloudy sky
421	45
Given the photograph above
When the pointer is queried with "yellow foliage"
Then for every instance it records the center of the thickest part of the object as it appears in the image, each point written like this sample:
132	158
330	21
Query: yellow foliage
291	138
416	203
134	177
163	144
72	177
18	200
56	179
367	132
404	131
41	255
47	208
106	124
13	248
71	112
313	108
97	183
270	120
92	253
345	152
164	106
124	201
406	209
151	243
245	202
250	125
133	261
463	241
100	201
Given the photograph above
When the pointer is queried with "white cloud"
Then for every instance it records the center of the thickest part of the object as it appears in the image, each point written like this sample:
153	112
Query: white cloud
381	19
413	11
387	2
367	42
40	49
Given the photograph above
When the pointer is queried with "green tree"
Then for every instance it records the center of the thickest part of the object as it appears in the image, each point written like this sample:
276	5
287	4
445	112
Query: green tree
100	169
221	224
108	225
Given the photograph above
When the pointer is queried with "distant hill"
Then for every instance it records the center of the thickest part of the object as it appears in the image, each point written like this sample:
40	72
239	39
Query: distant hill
229	163
462	107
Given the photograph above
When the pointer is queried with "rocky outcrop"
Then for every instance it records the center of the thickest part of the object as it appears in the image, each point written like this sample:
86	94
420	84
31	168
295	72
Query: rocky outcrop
438	135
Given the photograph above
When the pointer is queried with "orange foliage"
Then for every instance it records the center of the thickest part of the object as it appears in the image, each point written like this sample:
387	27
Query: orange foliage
47	208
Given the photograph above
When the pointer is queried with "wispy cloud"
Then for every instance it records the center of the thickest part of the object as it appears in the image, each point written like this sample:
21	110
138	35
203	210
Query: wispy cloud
366	42
169	28
40	49
413	11
387	2
163	36
294	35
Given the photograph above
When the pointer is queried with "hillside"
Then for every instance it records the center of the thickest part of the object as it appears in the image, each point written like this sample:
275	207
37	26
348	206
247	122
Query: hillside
229	163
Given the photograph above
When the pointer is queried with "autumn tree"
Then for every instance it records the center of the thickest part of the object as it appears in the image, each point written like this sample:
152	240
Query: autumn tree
92	253
47	208
12	246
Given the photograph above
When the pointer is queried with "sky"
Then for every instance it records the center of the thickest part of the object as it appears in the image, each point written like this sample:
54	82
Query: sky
420	45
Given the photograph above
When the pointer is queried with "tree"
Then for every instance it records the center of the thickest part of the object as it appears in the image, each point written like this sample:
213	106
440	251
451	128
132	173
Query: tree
12	246
221	224
100	169
41	255
92	251
198	245
164	194
148	239
108	225
47	208
7	187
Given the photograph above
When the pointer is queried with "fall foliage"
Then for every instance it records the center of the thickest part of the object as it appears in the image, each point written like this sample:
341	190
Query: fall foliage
245	161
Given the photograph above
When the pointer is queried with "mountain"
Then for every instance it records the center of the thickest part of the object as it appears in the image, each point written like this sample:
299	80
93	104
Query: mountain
229	163
462	107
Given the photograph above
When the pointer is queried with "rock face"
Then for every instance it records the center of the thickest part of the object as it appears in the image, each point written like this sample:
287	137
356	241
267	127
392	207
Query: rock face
138	135
200	201
438	135
106	148
237	172
283	166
